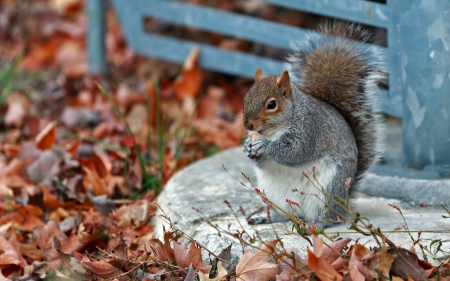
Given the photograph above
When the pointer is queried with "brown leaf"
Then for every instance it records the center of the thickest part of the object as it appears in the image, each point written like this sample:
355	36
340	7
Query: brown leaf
101	269
356	265
333	250
44	239
221	274
185	257
31	251
121	249
383	261
136	214
92	180
46	138
188	83
65	258
322	268
99	165
428	267
288	269
257	266
9	255
169	252
72	245
406	264
86	234
208	106
156	249
13	168
72	146
18	107
50	200
317	245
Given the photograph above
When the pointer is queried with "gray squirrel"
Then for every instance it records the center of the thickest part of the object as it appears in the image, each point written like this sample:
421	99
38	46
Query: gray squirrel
321	115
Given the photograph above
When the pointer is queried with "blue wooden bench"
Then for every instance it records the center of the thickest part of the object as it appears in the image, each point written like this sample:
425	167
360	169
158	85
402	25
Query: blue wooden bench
418	55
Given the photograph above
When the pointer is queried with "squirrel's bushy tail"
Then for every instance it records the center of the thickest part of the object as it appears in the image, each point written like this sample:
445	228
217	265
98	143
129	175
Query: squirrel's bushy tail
346	74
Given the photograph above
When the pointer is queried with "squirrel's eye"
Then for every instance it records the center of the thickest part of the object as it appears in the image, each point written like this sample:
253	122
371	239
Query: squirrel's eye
272	104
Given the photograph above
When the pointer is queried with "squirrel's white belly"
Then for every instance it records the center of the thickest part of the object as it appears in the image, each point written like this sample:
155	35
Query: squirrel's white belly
281	182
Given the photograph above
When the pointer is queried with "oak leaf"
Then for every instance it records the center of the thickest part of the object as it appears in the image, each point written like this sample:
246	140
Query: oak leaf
185	257
257	266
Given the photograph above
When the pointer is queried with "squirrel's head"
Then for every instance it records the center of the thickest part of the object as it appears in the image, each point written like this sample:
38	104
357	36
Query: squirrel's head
266	103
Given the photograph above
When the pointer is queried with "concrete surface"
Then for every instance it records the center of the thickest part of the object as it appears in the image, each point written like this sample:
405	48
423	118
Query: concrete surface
205	185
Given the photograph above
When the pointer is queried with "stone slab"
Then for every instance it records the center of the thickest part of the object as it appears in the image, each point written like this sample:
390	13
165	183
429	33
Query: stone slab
205	185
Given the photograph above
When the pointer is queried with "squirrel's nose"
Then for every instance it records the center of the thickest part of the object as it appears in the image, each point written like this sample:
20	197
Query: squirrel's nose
248	126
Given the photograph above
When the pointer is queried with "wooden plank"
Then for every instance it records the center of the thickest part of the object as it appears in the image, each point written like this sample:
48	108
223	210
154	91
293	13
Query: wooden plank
365	12
131	17
232	24
235	63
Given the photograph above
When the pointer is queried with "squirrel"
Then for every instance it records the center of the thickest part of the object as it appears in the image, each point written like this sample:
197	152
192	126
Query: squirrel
319	118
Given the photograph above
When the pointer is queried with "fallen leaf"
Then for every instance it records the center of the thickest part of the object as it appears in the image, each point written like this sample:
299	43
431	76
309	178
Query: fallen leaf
101	203
133	215
191	274
406	264
91	180
332	251
18	107
382	262
50	200
102	269
185	257
13	168
188	83
46	138
322	268
257	266
10	255
289	268
221	274
317	244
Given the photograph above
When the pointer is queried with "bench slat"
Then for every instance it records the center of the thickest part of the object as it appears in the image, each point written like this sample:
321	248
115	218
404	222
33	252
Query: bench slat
131	16
365	12
226	23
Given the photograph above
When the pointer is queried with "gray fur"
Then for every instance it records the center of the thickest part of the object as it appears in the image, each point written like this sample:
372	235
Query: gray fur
313	132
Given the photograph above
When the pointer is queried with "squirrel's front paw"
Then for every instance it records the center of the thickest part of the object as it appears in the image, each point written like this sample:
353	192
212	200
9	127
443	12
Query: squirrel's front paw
255	148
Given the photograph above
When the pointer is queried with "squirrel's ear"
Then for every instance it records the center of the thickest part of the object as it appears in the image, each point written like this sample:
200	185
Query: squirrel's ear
258	74
284	83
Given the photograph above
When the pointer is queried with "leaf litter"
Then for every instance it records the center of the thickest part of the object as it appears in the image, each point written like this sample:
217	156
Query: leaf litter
75	203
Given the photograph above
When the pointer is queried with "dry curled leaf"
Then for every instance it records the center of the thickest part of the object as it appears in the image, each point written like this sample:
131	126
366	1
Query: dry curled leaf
46	138
257	266
290	265
185	257
322	268
188	83
221	274
102	269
